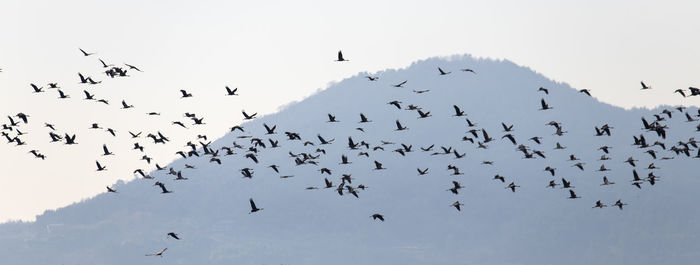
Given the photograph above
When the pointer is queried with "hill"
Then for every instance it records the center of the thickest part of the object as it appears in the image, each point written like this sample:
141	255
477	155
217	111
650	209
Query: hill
533	225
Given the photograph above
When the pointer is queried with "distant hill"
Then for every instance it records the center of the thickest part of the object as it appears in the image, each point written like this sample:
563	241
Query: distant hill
533	225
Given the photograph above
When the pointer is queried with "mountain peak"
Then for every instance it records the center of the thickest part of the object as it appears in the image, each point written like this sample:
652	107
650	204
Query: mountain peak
210	210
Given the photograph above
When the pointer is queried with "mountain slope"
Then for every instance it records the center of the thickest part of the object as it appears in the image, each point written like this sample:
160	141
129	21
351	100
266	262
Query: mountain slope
534	225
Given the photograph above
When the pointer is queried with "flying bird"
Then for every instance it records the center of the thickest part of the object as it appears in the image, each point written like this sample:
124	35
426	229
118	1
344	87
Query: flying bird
644	86
248	117
85	53
253	208
544	105
340	57
159	253
401	84
185	94
230	92
457	205
173	235
133	67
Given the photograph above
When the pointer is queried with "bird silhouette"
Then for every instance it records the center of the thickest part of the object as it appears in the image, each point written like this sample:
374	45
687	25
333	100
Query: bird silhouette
185	94
399	127
230	92
457	205
248	117
253	208
401	84
159	253
572	195
162	187
100	167
85	53
644	86
173	235
544	105
340	57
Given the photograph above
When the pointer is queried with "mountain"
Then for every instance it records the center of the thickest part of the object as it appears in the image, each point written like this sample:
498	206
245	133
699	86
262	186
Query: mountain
533	225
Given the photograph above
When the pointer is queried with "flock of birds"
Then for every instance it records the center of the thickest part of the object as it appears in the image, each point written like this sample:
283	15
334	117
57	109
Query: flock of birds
199	147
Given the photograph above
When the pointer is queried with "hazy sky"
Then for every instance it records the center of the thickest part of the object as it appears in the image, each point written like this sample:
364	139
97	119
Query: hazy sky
276	52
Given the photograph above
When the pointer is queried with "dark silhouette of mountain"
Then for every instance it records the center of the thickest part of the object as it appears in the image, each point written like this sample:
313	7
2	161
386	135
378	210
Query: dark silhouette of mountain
533	225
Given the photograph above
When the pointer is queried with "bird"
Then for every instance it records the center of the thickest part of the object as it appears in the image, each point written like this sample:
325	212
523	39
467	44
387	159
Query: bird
340	57
468	70
443	72
401	84
36	88
459	113
159	253
422	172
126	106
512	186
680	91
423	114
37	154
133	67
456	187
331	118
399	127
162	187
230	92
85	53
566	184
457	205
377	165
544	105
499	177
100	167
253	208
185	94
105	65
88	96
606	181
585	91
106	151
599	204
62	95
247	117
111	190
173	235
70	140
644	86
372	78
363	118
507	128
619	204
572	195
377	216
546	91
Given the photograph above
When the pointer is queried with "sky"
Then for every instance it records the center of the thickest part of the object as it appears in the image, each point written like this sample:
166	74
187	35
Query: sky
277	52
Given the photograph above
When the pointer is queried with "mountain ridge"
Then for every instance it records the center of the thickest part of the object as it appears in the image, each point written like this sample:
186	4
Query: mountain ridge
420	227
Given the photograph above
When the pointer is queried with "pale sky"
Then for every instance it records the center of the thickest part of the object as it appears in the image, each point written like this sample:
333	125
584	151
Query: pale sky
277	52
